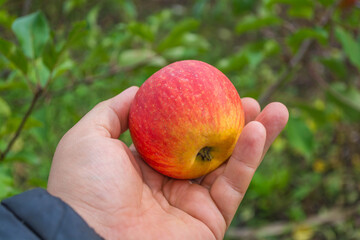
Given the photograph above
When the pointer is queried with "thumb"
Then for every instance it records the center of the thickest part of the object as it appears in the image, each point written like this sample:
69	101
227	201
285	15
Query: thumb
108	118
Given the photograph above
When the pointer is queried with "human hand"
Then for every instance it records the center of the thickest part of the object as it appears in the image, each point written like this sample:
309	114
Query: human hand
121	197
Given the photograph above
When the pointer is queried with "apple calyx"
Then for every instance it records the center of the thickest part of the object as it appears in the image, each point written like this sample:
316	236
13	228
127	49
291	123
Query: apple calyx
204	154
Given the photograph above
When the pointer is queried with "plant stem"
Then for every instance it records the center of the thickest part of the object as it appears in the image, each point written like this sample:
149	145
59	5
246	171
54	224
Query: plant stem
314	73
34	100
26	7
113	71
278	229
295	60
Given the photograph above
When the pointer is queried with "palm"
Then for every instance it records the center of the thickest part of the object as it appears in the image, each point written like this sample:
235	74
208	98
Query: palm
151	198
188	207
120	196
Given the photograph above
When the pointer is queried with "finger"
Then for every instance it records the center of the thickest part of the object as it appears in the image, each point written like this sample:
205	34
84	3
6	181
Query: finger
229	188
209	179
108	118
196	201
251	109
274	118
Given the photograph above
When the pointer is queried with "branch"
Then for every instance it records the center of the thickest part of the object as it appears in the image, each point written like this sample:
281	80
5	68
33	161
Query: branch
40	90
281	228
26	7
91	79
34	100
295	60
314	74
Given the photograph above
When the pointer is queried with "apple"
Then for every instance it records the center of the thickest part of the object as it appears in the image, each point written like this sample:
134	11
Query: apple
347	3
186	119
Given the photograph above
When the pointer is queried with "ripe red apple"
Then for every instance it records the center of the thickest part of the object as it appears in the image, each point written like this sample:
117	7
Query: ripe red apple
347	3
186	119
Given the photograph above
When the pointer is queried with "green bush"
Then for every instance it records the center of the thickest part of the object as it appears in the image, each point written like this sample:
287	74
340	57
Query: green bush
58	60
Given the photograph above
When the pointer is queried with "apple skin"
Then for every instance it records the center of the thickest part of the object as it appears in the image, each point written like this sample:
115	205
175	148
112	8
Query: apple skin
186	119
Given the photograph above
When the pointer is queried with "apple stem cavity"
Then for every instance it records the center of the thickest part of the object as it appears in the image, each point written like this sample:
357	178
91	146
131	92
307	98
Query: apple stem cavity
204	154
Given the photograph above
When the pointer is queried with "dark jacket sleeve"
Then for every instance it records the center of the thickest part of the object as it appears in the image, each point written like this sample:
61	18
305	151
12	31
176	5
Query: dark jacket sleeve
36	214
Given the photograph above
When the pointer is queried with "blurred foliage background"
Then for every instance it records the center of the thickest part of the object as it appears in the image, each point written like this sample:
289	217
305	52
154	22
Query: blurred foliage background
59	58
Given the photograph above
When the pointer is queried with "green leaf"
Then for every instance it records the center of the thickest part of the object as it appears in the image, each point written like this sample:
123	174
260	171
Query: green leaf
6	182
347	100
306	12
135	56
296	212
302	192
14	55
294	3
43	73
77	33
33	33
12	85
2	2
235	62
129	9
4	108
50	56
350	46
334	183
239	7
142	30
250	56
296	39
180	53
12	124
63	67
315	113
200	7
266	184
39	74
252	23
24	156
300	137
92	17
5	47
336	66
70	5
173	39
159	19
6	19
192	40
326	3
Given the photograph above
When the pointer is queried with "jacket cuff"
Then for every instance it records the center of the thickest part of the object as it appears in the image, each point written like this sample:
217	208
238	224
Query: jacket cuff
48	217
